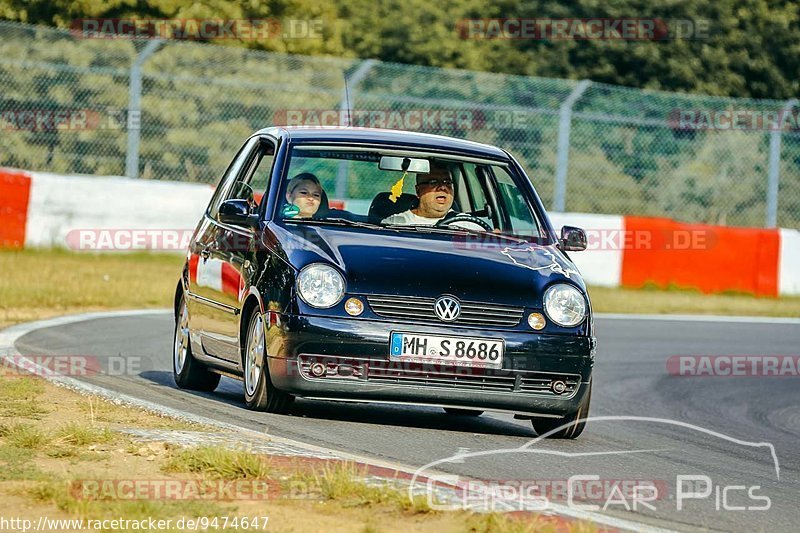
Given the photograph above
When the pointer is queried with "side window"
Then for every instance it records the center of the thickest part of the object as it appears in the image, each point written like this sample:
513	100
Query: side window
233	171
254	182
522	220
476	193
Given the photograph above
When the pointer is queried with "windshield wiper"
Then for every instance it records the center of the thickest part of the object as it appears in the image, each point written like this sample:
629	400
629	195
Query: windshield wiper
423	228
419	228
336	221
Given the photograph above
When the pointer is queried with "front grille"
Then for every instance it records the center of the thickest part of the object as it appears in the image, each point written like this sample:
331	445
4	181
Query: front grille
441	376
472	313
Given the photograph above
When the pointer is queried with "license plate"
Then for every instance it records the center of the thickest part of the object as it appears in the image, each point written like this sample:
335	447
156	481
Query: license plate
458	351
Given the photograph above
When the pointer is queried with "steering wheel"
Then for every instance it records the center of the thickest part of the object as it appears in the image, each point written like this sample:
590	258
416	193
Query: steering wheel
463	217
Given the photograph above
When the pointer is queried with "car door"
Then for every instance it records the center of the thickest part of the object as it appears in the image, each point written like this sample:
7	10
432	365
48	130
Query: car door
205	274
230	265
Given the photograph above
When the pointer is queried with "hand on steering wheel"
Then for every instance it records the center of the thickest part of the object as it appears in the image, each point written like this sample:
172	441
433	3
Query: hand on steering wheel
453	219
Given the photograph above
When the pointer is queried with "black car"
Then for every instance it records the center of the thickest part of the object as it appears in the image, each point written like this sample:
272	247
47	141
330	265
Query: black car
385	266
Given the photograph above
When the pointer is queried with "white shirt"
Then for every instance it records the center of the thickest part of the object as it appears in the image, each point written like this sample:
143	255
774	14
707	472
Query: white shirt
409	218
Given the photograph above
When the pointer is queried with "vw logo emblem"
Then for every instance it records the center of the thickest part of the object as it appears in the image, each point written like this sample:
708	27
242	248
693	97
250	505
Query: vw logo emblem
447	308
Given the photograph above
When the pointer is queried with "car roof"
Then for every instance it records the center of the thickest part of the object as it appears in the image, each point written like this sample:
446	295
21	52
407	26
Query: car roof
308	134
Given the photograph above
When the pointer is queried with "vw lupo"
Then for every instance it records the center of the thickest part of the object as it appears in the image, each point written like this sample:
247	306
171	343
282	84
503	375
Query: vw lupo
323	269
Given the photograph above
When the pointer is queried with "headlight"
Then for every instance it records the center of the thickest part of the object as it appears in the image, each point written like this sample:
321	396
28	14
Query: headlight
320	285
565	305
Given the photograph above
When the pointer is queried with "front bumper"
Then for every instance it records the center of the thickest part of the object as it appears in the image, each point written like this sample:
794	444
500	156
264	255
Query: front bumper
355	356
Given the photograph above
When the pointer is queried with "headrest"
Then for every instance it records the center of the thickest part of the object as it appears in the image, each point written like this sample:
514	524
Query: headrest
383	207
324	205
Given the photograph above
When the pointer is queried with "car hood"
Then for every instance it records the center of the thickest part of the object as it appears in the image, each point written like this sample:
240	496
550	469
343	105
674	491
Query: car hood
472	268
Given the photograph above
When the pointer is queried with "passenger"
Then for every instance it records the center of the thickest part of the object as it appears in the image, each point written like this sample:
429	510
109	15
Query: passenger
435	193
304	192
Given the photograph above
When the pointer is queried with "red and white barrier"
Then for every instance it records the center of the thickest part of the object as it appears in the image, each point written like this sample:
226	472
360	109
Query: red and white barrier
60	204
44	210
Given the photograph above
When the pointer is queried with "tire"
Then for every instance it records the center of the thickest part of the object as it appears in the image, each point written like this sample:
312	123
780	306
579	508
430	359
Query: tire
188	372
457	411
574	430
259	392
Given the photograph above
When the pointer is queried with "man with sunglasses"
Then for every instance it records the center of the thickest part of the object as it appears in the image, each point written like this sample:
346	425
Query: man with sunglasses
435	193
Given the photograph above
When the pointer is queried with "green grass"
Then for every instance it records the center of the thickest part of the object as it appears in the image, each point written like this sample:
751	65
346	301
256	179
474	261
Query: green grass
218	462
24	436
75	434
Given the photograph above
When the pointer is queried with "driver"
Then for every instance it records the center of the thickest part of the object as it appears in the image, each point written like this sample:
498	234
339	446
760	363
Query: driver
435	193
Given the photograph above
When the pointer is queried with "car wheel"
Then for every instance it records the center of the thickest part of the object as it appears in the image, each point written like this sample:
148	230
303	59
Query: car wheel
259	393
189	373
456	411
571	431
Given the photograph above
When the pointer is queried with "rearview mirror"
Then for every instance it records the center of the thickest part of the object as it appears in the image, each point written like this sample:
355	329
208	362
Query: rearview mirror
237	213
405	164
572	239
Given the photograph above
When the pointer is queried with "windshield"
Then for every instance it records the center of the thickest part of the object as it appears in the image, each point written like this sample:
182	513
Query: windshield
370	188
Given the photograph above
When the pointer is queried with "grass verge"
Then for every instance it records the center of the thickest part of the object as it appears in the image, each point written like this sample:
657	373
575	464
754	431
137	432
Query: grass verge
52	466
38	284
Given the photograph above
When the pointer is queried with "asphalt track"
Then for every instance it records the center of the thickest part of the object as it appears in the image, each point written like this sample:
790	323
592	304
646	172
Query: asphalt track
631	380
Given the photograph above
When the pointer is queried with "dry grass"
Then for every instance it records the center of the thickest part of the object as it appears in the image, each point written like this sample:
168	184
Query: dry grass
40	283
218	462
346	483
503	523
18	398
683	301
42	461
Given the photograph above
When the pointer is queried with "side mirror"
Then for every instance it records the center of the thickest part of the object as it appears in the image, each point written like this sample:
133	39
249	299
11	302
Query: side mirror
572	239
237	213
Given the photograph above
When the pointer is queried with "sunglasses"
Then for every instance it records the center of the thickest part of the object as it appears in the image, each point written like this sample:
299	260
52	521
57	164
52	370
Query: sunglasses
447	182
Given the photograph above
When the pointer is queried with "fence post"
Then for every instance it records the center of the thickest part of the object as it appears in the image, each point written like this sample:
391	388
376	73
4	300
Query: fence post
344	111
562	157
775	165
135	108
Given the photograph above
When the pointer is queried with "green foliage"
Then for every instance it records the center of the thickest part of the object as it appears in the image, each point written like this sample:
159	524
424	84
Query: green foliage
752	47
200	101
